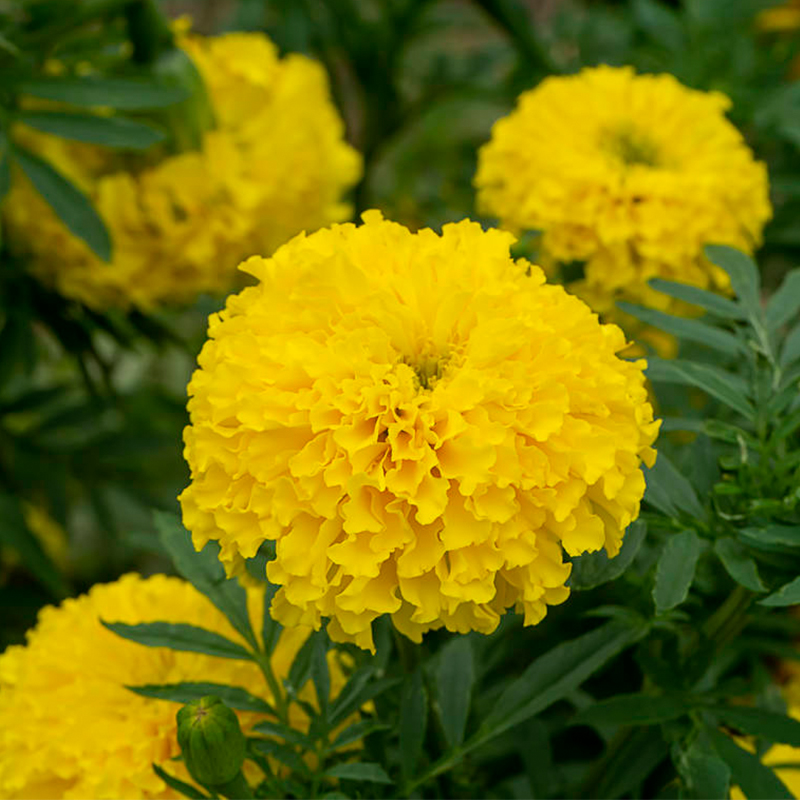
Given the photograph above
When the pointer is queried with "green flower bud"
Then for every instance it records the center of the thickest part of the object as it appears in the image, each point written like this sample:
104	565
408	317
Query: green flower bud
211	741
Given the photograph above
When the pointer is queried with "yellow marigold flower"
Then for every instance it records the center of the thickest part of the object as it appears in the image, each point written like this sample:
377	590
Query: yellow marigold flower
631	175
419	422
782	18
69	727
274	165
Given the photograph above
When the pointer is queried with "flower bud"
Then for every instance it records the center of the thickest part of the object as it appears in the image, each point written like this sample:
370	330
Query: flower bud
211	741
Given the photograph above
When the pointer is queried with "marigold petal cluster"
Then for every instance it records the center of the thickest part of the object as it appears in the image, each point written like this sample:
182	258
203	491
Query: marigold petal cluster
420	423
275	164
68	726
631	175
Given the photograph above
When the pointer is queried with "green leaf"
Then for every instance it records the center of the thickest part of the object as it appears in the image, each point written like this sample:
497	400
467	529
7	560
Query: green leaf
127	94
726	387
737	561
300	671
454	678
787	595
594	569
320	676
205	572
686	329
785	303
675	571
364	771
68	202
704	773
357	731
668	489
185	789
179	636
285	733
719	306
360	689
756	780
787	535
790	352
634	709
413	723
14	533
744	275
234	696
758	722
107	131
270	628
283	753
557	673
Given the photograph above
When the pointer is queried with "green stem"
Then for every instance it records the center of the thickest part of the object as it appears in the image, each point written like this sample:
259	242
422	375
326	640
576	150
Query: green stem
278	695
729	619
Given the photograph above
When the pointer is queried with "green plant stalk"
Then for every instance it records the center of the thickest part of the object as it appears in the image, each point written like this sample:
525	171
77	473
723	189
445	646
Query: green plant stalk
281	702
234	789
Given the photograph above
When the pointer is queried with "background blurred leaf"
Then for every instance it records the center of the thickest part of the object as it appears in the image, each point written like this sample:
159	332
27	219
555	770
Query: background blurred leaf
70	204
107	131
455	675
128	94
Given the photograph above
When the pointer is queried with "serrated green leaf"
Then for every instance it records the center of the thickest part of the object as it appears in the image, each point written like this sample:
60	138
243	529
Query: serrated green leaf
737	561
556	674
594	569
362	771
413	723
205	572
357	692
686	329
726	387
454	678
70	204
179	636
719	306
755	780
634	709
785	303
675	570
185	789
758	722
300	671
670	491
126	94
116	132
787	595
744	275
234	696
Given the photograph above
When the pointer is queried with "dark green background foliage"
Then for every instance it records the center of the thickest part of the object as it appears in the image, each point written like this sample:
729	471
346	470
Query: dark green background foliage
631	687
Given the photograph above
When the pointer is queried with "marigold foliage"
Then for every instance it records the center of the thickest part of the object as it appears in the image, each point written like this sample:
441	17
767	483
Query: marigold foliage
630	174
275	164
69	727
420	423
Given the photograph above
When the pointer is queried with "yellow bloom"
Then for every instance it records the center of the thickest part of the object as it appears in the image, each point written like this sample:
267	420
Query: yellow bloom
782	18
629	174
275	164
419	422
69	727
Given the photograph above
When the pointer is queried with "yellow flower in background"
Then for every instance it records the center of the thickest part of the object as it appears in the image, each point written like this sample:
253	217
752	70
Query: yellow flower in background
275	164
69	727
420	423
631	175
784	17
